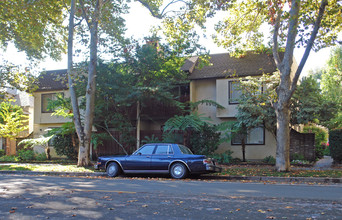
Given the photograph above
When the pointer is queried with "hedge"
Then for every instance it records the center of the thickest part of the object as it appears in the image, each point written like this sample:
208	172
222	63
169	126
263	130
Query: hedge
335	144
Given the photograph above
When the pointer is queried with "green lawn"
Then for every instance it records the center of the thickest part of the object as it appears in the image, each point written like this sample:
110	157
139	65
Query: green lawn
46	168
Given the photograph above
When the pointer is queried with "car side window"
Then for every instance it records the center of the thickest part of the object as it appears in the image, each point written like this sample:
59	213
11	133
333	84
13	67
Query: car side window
148	149
164	150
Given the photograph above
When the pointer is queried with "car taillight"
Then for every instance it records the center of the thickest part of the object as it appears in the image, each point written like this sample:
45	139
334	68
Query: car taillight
207	161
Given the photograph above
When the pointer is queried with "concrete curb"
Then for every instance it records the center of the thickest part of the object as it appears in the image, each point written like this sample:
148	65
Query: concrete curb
205	177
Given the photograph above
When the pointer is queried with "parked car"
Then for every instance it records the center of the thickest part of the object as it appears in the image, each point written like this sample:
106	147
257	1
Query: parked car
174	159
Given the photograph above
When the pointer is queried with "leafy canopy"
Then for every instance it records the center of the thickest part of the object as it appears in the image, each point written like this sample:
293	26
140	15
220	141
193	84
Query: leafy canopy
35	27
12	120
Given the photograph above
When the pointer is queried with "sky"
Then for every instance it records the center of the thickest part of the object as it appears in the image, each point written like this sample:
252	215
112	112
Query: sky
139	23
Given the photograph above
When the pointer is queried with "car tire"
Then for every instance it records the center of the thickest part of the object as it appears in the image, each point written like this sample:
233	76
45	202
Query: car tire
178	171
113	169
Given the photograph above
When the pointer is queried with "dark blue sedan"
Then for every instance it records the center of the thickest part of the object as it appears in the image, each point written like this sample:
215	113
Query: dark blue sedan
174	159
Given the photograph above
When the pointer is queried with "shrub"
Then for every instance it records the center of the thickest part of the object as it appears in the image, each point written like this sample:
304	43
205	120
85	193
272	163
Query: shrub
297	157
41	157
223	158
335	145
321	136
64	146
205	141
11	158
269	159
25	155
2	153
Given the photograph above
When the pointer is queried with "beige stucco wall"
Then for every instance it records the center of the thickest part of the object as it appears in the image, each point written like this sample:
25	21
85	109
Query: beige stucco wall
217	90
44	121
46	118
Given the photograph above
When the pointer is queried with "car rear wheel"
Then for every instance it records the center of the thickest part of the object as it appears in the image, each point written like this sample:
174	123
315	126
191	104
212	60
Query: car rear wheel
178	171
113	169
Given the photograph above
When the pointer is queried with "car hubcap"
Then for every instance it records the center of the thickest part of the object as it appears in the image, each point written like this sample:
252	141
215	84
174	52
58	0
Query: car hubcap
111	169
178	170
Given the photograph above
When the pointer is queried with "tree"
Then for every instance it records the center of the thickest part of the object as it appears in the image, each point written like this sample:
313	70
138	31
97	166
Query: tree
101	17
35	27
12	120
331	85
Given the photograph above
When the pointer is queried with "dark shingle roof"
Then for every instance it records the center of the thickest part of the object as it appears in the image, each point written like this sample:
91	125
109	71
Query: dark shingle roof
223	65
53	80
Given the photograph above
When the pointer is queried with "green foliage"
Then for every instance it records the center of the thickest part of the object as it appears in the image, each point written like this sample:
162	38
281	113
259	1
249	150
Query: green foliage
26	155
12	76
331	86
256	103
321	137
43	141
61	106
38	28
297	157
151	139
205	141
306	103
182	123
97	139
41	157
12	120
335	144
64	146
2	152
269	159
11	158
223	158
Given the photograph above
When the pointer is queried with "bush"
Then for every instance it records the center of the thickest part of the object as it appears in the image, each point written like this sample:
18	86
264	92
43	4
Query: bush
269	160
223	158
2	153
335	145
25	155
321	137
11	158
63	146
41	157
205	141
297	157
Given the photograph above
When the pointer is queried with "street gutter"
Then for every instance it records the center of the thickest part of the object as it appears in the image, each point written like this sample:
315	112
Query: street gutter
313	180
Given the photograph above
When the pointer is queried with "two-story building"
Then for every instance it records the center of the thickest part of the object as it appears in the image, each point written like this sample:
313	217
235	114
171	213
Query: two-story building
218	82
50	83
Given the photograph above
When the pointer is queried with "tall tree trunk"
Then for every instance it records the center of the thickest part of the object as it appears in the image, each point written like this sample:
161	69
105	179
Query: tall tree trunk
289	82
243	146
84	148
283	138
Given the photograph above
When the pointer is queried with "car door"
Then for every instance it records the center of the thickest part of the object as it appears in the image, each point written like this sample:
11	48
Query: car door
140	160
162	157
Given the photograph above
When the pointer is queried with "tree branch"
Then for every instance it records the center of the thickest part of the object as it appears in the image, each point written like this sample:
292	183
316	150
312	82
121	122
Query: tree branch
84	13
275	39
291	37
309	45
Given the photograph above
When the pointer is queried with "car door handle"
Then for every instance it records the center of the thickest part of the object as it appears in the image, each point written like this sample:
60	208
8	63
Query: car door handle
148	156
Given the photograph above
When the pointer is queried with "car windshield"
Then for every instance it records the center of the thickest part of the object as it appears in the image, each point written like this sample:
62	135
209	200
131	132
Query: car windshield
184	149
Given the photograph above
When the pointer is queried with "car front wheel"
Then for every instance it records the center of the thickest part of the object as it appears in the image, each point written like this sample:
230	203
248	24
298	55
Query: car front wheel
178	171
112	169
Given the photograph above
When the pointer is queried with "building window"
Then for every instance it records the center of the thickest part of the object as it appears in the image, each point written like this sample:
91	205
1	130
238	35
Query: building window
45	101
255	136
234	92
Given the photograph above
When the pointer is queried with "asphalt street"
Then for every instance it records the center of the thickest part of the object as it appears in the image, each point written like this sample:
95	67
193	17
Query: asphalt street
46	197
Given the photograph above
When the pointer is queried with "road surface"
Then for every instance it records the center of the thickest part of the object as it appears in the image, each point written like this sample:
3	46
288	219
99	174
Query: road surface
46	197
